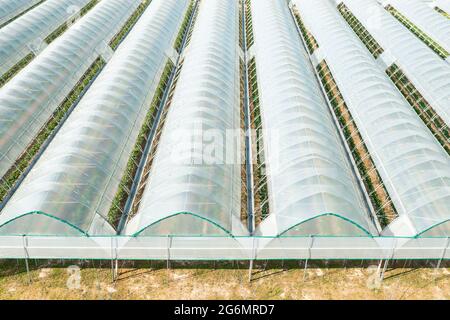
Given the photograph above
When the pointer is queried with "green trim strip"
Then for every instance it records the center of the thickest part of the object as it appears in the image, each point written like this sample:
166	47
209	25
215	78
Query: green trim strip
187	213
327	214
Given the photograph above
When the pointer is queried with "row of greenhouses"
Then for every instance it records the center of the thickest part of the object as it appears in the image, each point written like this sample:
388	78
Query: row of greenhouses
218	129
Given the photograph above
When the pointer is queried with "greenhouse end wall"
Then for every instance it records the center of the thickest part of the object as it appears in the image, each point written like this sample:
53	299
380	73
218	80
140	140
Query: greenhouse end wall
223	248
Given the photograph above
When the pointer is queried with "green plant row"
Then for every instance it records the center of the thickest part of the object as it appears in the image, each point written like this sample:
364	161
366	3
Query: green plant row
191	29
311	42
117	39
420	105
21	14
362	33
14	173
184	27
126	182
16	68
63	28
445	14
248	23
260	178
334	99
433	45
241	28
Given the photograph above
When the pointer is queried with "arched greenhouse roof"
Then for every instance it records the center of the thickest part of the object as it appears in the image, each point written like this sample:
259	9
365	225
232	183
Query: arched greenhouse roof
78	175
27	33
312	187
10	9
425	69
184	194
31	97
426	19
410	161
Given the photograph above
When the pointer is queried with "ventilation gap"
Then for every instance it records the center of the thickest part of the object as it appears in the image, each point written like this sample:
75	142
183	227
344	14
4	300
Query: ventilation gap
433	121
444	13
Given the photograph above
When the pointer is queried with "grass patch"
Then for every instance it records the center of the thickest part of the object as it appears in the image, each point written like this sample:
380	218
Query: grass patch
248	24
16	171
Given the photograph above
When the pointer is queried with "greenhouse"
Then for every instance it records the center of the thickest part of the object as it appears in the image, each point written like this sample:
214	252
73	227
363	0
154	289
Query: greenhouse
416	14
26	34
91	149
34	102
9	10
224	130
426	85
413	166
312	186
182	198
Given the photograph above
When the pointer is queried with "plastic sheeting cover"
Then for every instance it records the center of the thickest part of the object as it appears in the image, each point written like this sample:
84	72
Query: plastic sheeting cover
31	97
185	194
427	71
425	18
12	8
27	33
413	166
312	188
78	175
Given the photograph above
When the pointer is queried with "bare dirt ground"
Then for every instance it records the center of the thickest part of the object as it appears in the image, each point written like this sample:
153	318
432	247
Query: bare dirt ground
227	280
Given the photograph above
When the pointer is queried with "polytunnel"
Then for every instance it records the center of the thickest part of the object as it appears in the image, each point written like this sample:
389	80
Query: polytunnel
28	100
426	70
11	9
312	187
75	180
411	163
187	194
433	24
26	34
